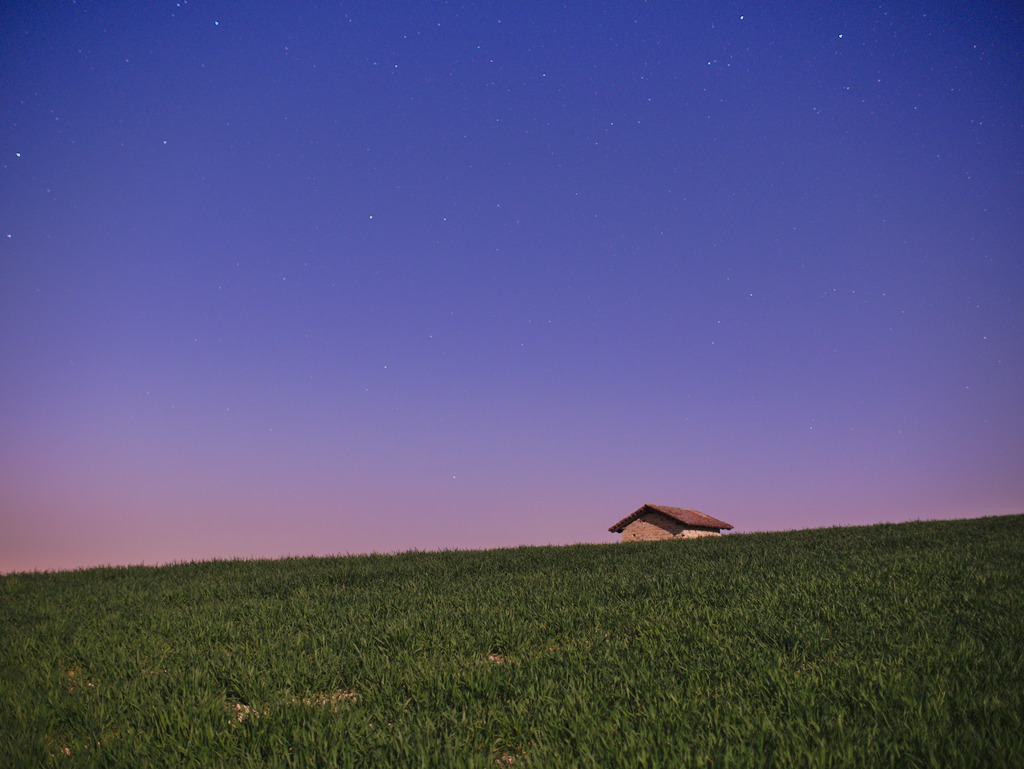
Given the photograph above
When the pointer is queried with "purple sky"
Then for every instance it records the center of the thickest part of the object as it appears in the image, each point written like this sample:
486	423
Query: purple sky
327	277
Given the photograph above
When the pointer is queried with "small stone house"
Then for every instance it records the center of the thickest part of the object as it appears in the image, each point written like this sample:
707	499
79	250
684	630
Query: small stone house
653	522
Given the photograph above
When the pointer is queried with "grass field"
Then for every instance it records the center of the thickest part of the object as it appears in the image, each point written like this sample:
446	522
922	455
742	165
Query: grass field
882	646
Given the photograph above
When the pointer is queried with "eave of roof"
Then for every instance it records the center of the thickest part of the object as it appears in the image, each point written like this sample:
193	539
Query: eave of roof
681	514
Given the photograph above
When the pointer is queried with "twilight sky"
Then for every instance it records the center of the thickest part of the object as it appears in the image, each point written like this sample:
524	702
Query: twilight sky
326	277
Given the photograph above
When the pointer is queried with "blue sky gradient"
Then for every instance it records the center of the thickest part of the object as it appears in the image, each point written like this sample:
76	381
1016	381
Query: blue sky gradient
353	276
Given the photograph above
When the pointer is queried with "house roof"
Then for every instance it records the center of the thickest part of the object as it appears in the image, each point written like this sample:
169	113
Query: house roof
689	517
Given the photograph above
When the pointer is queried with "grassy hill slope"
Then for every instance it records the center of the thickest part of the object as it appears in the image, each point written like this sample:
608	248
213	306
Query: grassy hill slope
892	645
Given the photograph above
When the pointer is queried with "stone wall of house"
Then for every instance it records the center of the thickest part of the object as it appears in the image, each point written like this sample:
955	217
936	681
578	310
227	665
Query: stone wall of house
654	526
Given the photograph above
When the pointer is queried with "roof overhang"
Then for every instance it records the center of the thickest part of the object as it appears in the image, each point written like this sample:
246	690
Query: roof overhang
685	516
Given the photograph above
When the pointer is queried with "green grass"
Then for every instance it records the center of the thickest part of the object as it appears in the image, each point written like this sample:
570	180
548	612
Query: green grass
893	645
